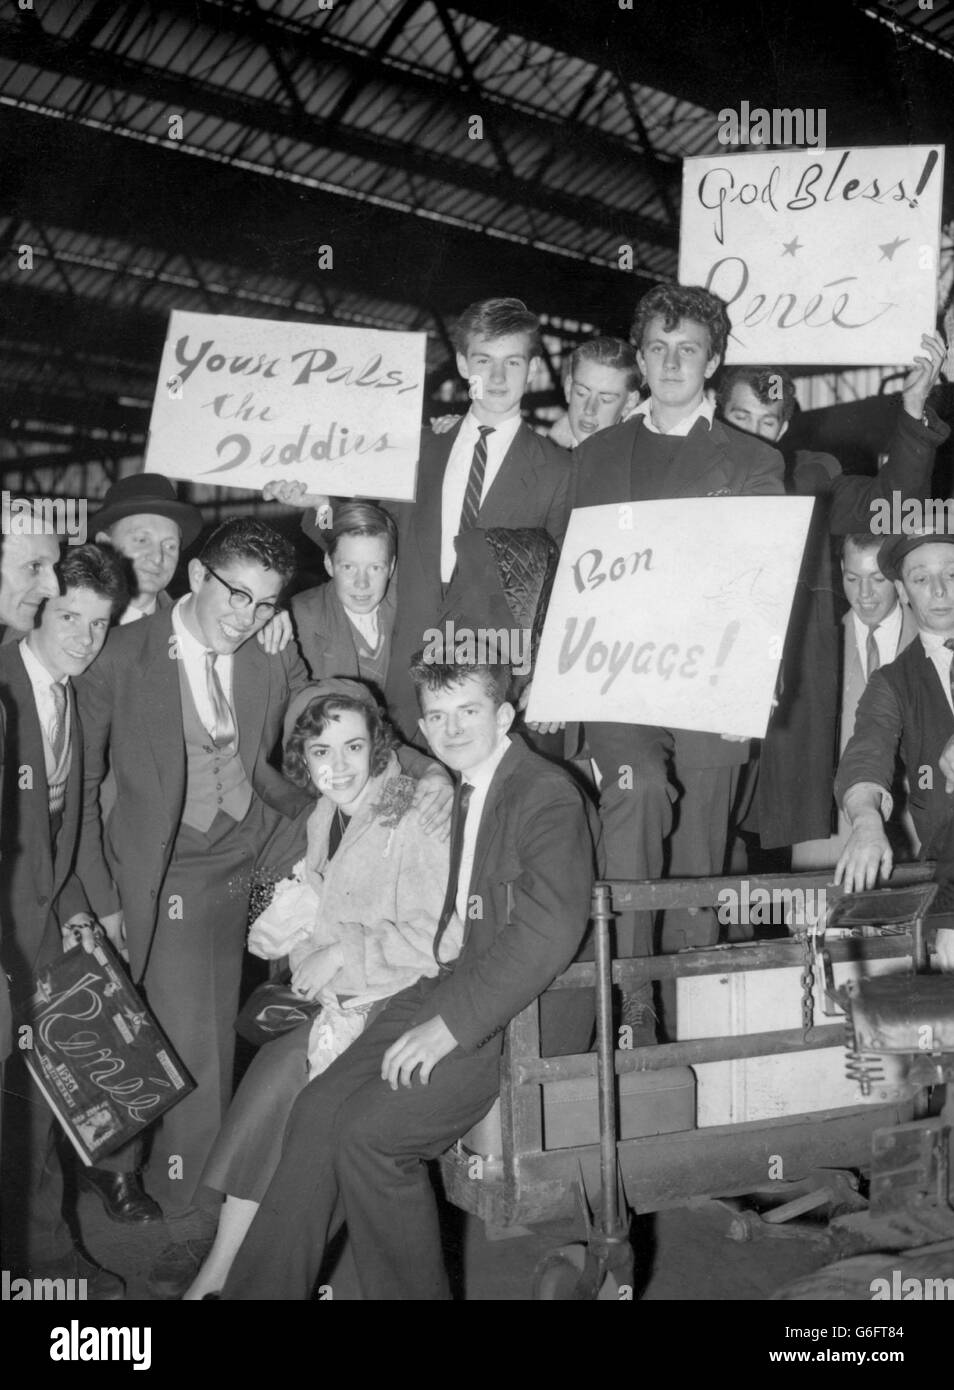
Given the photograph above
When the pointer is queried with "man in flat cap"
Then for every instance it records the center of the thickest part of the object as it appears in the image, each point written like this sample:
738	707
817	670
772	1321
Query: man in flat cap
907	707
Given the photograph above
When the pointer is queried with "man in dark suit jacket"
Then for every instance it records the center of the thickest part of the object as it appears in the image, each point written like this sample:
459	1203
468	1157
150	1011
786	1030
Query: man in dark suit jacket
671	447
188	712
797	756
361	1133
490	470
907	705
42	901
27	578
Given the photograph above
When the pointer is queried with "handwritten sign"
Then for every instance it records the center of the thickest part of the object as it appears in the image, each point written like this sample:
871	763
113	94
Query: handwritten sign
822	256
671	613
104	1066
243	401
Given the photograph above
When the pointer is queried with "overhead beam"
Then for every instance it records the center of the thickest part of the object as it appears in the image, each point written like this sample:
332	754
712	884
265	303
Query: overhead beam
67	56
191	205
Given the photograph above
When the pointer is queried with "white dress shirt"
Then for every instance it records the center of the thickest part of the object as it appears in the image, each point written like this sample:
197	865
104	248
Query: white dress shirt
131	613
705	410
192	654
42	681
887	636
367	625
458	471
941	656
480	778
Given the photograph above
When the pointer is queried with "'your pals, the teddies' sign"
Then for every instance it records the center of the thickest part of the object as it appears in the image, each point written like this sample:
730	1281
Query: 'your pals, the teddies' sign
824	256
671	613
242	401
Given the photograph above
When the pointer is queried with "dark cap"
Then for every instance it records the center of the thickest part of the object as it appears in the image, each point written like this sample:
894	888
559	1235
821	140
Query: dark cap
894	548
148	493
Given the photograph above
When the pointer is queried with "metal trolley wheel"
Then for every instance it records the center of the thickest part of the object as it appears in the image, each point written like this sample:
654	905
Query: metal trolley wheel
572	1273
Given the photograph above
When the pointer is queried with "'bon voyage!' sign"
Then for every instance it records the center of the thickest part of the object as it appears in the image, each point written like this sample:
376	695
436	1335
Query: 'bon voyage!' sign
821	256
242	401
671	613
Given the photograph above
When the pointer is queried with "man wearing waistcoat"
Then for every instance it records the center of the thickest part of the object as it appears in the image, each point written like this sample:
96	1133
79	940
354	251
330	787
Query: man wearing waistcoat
907	705
187	712
41	899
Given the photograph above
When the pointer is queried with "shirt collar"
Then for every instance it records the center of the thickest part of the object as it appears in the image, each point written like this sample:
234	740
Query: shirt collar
37	672
705	410
481	776
931	641
890	624
503	433
188	643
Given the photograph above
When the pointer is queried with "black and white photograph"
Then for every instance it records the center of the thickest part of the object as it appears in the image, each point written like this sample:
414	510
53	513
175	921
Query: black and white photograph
477	664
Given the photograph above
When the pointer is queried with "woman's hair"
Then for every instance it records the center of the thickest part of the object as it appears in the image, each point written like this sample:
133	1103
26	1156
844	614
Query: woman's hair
316	717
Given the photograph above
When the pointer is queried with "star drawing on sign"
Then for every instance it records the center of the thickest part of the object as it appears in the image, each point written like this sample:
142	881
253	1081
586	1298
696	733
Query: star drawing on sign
888	248
791	246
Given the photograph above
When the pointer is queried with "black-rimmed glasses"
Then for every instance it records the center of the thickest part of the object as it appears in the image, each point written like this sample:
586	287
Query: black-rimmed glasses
240	601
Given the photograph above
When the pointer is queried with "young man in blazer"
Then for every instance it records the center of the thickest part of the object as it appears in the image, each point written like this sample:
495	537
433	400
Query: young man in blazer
187	712
907	708
427	1068
491	469
344	627
42	901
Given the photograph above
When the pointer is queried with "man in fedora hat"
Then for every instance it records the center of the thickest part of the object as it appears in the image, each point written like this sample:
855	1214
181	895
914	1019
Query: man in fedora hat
907	707
144	519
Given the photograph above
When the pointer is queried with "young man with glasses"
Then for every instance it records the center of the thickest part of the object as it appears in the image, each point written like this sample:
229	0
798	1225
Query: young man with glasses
186	711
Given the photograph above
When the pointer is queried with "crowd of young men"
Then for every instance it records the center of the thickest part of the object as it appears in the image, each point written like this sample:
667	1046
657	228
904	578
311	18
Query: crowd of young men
153	786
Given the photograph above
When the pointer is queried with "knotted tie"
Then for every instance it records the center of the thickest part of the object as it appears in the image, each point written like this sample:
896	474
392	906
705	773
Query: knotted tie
950	646
223	725
475	482
58	727
872	653
458	819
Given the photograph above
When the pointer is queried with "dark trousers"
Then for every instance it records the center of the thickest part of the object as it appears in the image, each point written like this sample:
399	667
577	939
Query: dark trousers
636	801
698	848
33	1226
354	1147
192	983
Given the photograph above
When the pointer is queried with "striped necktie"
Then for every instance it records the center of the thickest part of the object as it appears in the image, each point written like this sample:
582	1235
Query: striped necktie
475	482
872	653
58	727
223	726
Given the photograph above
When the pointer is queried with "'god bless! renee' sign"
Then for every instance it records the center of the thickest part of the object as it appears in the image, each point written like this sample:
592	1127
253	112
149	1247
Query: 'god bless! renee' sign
671	613
242	401
824	256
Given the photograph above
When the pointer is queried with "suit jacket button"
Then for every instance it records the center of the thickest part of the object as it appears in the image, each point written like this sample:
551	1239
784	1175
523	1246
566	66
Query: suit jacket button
42	899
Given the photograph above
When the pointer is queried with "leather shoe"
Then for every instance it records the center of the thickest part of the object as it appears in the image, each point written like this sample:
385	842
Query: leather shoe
123	1196
102	1286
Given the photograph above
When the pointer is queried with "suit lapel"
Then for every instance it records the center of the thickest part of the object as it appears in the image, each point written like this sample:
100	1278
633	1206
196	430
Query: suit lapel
33	820
250	686
699	469
426	515
493	805
517	473
159	703
71	806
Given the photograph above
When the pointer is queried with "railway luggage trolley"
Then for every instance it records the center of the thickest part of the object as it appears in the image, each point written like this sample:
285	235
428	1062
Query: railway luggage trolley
634	1130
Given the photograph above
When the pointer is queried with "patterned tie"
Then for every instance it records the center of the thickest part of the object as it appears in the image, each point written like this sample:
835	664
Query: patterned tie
475	483
458	818
223	726
871	650
58	727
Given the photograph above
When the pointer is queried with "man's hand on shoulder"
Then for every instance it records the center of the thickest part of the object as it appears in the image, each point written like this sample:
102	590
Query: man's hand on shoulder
275	636
434	801
423	1046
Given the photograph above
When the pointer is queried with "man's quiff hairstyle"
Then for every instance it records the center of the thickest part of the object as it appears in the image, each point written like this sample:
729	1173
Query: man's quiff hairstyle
244	540
363	519
764	383
673	303
440	676
861	540
98	567
606	352
497	318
